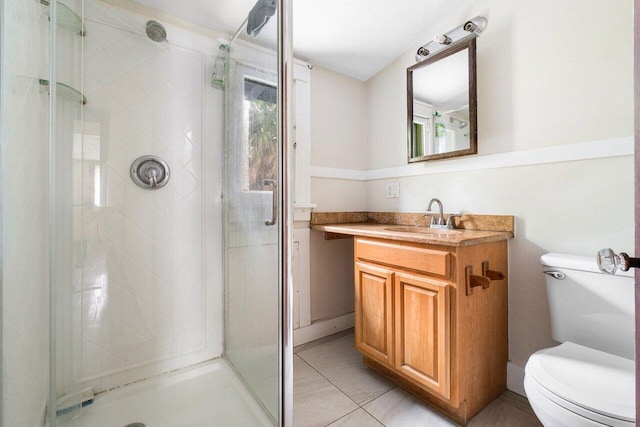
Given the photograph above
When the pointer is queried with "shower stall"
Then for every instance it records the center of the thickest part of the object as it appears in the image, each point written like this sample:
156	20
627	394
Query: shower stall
144	246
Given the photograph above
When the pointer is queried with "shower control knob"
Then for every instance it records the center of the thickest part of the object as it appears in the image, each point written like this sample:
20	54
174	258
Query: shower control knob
150	172
609	262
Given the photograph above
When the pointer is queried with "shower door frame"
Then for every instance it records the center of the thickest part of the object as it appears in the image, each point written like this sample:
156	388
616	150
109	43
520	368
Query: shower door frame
285	227
1	206
636	65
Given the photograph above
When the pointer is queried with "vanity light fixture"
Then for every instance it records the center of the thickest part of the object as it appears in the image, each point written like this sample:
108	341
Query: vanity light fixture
441	38
470	29
423	51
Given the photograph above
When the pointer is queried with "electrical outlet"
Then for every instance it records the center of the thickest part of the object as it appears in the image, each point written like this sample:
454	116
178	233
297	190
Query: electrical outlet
393	190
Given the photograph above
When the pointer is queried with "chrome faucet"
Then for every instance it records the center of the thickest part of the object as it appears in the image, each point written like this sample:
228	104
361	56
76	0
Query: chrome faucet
440	223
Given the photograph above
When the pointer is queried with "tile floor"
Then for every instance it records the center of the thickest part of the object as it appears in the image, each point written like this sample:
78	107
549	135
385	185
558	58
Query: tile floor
333	388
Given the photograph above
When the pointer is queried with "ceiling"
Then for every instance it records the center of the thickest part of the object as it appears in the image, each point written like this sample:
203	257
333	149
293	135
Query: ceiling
353	37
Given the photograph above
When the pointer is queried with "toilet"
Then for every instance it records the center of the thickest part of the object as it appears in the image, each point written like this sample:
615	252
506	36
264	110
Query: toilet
589	379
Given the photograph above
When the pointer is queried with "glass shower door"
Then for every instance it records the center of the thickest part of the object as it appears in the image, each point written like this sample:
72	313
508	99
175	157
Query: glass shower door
257	220
66	192
251	228
115	278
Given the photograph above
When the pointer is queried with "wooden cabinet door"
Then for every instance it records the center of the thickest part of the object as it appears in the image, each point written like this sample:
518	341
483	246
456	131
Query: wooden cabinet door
374	312
422	331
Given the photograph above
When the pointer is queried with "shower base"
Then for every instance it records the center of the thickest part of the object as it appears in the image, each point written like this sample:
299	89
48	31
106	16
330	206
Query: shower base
209	394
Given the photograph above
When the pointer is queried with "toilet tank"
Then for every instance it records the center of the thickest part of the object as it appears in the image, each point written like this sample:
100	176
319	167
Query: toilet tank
588	307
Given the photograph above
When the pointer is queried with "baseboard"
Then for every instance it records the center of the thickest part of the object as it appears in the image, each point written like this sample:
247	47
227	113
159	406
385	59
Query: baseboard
515	379
322	329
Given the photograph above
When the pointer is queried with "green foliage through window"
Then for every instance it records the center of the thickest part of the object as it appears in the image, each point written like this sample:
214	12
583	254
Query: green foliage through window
262	135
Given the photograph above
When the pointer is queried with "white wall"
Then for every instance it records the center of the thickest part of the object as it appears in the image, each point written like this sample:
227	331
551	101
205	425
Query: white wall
25	174
338	195
337	120
549	74
337	141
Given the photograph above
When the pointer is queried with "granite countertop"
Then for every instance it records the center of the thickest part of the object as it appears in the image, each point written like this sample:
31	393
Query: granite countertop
431	236
470	229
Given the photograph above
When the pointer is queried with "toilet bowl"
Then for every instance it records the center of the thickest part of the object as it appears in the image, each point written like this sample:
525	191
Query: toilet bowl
573	385
589	379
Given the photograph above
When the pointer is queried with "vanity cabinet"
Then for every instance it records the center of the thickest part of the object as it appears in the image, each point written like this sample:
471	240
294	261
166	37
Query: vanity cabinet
420	325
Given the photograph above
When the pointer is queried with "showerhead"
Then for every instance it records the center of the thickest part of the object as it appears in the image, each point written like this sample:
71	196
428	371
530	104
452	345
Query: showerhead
259	16
462	124
156	31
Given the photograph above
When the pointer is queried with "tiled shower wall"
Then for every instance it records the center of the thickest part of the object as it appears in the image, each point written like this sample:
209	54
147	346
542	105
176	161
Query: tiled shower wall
25	180
152	297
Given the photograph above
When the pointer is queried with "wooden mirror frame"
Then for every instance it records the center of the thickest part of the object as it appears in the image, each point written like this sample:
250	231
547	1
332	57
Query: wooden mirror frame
473	103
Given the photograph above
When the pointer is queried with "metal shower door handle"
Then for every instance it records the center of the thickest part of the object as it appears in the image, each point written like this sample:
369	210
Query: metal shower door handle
274	200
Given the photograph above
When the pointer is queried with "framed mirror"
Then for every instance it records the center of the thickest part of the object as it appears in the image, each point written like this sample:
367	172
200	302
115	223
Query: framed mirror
442	105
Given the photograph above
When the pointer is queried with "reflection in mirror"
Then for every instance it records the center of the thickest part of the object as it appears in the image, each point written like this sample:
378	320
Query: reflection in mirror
442	105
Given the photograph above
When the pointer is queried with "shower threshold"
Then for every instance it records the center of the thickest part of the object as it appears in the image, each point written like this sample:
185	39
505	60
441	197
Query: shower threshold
209	394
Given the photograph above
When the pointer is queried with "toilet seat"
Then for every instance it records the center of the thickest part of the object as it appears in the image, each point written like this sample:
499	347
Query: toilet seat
592	384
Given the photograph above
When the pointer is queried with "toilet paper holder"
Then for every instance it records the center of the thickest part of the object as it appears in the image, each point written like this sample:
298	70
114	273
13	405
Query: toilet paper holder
484	280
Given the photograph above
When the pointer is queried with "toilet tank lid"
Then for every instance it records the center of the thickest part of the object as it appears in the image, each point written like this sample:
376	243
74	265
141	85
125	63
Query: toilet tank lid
576	262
